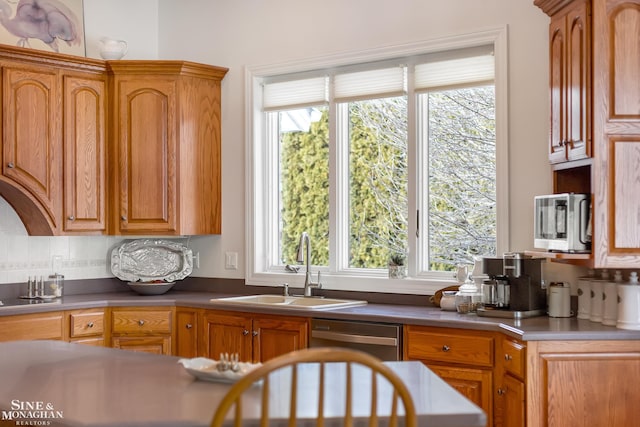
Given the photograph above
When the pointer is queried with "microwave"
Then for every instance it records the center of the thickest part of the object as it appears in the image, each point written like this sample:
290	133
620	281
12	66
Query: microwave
563	222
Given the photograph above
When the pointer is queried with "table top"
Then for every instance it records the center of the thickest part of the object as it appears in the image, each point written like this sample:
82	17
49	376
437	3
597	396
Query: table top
76	385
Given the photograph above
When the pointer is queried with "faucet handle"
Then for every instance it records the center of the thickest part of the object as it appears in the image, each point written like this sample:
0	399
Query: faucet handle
319	284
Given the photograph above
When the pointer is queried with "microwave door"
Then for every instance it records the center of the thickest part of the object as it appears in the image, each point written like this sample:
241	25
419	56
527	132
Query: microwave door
561	221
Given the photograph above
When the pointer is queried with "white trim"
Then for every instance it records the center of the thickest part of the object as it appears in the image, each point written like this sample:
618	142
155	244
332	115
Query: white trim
376	282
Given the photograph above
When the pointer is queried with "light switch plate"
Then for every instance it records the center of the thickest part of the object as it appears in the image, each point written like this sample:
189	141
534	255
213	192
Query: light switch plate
231	260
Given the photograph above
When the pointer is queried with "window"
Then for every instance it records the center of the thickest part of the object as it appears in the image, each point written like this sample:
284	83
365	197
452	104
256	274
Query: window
401	153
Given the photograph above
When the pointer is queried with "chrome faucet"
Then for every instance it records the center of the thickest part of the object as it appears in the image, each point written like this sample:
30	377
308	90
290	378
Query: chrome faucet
308	283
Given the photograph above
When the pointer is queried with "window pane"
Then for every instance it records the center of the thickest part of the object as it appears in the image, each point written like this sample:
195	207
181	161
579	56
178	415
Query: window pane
377	181
304	182
462	176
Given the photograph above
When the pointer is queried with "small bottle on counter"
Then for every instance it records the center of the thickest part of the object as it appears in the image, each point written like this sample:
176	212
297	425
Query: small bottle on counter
584	295
610	300
629	303
597	292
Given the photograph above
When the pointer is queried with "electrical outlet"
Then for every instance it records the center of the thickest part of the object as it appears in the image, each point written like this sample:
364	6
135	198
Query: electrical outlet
231	260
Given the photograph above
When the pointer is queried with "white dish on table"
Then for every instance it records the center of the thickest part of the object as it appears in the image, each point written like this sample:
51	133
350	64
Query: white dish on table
206	369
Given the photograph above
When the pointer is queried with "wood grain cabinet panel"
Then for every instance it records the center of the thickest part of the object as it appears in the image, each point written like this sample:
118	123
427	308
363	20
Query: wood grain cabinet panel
256	338
148	329
31	135
84	125
187	331
585	383
39	326
167	147
463	358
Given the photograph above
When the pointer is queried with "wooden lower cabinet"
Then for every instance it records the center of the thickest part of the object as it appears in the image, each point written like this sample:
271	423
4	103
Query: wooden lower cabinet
187	331
510	373
146	329
38	326
256	337
463	358
85	326
582	383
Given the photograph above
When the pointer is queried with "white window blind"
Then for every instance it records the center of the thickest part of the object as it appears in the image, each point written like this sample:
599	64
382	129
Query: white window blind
294	93
362	84
452	72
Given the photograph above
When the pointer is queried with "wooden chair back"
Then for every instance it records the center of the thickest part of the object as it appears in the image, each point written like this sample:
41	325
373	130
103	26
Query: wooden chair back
322	356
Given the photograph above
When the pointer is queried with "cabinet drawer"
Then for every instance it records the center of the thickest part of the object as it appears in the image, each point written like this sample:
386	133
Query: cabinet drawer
86	324
463	348
513	353
44	326
141	321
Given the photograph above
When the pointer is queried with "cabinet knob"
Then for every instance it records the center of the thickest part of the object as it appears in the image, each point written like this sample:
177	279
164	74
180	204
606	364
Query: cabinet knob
254	333
245	332
10	165
446	348
123	217
71	218
140	322
90	325
188	326
501	391
508	357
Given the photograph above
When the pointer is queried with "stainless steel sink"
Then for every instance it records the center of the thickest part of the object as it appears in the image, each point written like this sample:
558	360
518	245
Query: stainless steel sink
305	303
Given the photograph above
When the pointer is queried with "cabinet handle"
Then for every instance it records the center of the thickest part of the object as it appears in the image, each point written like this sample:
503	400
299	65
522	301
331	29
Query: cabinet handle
254	333
90	325
140	322
501	392
71	218
508	357
446	348
245	332
123	217
189	326
10	165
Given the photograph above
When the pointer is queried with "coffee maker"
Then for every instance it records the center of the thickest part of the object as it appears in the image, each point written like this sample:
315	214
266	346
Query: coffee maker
514	287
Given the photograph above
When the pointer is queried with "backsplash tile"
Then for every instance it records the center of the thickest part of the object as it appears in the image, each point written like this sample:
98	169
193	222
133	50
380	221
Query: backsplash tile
21	255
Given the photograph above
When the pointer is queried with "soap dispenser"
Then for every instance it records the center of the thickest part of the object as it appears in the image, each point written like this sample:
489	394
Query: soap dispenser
629	303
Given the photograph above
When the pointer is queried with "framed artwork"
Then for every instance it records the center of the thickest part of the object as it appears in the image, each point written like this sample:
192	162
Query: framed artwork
51	25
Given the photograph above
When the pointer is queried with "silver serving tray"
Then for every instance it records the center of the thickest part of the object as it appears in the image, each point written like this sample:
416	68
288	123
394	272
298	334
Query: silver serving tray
145	260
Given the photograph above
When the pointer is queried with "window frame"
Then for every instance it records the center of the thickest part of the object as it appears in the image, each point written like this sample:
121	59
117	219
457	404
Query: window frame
258	270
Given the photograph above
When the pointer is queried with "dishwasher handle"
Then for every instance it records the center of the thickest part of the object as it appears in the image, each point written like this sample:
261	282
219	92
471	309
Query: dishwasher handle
352	338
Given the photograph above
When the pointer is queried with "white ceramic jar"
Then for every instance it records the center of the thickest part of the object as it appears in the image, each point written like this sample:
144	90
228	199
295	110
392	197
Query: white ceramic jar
597	294
610	300
584	295
629	304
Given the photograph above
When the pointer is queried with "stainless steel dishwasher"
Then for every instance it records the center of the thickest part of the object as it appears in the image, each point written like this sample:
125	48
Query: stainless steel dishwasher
383	340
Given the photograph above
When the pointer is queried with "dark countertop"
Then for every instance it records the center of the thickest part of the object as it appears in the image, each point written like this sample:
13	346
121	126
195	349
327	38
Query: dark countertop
540	328
96	386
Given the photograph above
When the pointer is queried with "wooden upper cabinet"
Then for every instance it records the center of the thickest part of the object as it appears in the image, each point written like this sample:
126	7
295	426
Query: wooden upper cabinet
31	139
570	82
167	147
84	125
617	133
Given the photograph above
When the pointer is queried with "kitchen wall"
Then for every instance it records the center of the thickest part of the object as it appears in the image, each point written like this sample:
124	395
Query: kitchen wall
239	33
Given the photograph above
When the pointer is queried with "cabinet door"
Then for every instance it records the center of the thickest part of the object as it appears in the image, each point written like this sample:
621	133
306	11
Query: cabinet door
31	146
275	337
617	133
146	133
149	344
557	72
41	326
226	333
186	333
510	405
578	81
583	383
84	208
474	384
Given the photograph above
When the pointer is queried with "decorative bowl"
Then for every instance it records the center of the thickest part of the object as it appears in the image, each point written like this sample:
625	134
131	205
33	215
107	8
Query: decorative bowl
151	288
